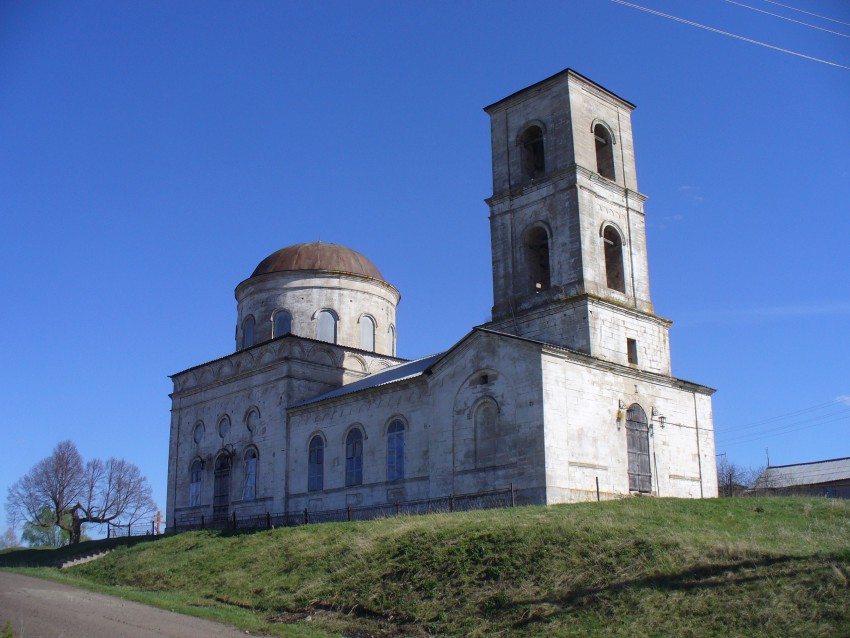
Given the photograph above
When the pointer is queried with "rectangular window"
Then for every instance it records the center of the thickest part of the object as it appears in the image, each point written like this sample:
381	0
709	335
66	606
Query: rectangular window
631	346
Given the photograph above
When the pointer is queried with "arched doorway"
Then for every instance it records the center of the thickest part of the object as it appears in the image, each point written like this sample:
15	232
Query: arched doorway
221	486
637	442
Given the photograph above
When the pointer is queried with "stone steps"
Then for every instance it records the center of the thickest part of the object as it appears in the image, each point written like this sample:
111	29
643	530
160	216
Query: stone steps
84	558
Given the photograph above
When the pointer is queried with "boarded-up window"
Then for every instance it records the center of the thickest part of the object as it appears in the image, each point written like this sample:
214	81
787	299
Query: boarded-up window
316	464
367	334
326	328
221	486
354	458
395	451
637	443
195	484
604	152
282	323
249	491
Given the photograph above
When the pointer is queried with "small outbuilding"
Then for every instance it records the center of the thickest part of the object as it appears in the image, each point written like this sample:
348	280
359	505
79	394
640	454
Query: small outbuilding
819	478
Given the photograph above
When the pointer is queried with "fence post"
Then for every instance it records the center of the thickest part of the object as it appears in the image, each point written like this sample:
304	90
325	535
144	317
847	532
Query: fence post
348	512
597	489
129	531
153	528
268	520
513	497
306	517
234	520
202	522
397	508
452	503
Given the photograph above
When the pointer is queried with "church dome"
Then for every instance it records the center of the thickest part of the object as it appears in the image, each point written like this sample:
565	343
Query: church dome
319	256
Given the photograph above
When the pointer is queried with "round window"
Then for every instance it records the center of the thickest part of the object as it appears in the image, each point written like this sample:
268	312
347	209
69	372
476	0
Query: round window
223	427
198	435
253	421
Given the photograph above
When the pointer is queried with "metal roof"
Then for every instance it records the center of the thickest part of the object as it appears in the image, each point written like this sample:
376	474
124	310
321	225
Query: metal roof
393	374
319	255
779	476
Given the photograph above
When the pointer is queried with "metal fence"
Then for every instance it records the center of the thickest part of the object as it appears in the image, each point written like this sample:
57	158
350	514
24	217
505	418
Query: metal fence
154	528
454	503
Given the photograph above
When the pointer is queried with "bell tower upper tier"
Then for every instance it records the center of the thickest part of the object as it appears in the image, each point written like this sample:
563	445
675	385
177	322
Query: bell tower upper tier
567	222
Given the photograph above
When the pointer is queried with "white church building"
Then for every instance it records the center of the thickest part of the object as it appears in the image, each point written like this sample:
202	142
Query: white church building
566	394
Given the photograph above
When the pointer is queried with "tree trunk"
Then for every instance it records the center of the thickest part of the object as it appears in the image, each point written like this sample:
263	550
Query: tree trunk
76	528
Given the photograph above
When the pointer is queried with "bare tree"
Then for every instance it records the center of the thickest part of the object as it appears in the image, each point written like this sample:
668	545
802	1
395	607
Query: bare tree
9	539
60	491
733	479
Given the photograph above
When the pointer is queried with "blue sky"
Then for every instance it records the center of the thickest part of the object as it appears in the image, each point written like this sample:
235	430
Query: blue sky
151	154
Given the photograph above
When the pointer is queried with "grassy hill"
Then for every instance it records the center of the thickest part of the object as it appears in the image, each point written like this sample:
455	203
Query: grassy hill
636	567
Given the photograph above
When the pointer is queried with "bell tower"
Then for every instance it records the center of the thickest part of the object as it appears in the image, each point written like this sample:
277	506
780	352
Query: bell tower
567	224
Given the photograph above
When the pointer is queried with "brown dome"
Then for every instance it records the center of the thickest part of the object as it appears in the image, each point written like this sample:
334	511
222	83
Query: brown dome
319	256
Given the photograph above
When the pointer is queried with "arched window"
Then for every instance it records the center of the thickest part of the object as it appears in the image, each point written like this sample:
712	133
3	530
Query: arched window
354	458
537	258
252	420
282	323
248	332
604	151
395	451
392	341
249	489
637	443
533	155
487	439
316	464
367	333
195	484
614	259
326	328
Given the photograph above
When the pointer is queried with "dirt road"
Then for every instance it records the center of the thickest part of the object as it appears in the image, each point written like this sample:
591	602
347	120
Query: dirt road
42	609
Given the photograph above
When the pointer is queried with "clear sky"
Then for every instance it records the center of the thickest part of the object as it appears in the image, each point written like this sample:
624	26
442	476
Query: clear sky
152	153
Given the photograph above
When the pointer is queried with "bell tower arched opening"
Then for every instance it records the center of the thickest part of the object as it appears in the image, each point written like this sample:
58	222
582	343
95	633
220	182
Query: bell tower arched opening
614	275
604	151
533	154
536	247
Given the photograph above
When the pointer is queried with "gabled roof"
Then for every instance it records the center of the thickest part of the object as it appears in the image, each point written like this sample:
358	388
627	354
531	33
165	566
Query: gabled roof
392	374
779	476
418	367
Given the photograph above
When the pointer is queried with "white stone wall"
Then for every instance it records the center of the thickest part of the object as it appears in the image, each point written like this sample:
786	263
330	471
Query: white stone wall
372	412
586	441
441	446
268	378
304	293
590	104
610	327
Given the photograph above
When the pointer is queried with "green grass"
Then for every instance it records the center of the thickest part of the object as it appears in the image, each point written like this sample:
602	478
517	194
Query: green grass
636	567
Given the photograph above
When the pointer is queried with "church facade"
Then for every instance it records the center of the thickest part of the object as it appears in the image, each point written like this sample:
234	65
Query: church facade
565	395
